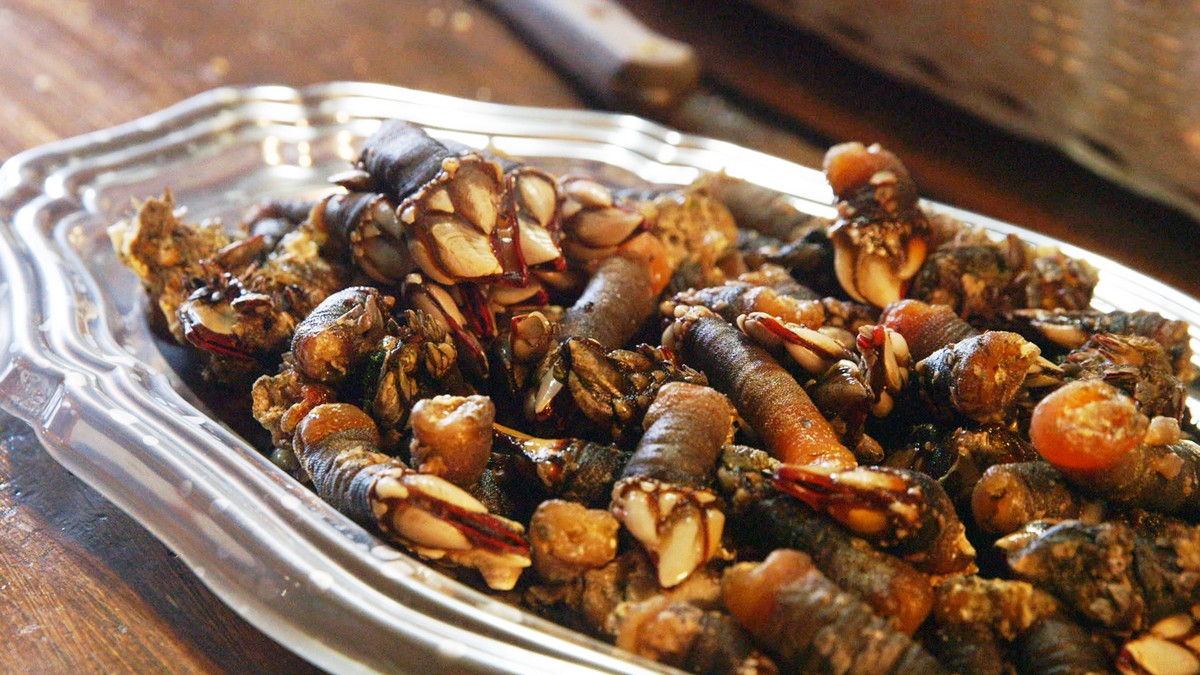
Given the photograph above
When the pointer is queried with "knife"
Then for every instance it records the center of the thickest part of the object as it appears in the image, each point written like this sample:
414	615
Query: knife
625	66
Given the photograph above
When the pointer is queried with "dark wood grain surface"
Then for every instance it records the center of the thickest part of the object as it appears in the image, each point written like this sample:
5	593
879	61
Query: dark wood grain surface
82	586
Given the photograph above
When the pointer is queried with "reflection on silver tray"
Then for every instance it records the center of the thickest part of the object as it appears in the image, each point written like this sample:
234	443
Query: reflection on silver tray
80	365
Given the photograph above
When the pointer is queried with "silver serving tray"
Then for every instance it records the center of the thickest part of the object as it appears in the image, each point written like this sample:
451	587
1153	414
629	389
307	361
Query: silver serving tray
79	364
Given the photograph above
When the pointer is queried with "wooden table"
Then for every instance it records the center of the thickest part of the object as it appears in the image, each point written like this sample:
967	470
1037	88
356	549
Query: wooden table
83	587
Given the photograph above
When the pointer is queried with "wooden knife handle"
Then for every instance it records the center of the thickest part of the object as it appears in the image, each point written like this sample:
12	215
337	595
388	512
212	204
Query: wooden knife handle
607	50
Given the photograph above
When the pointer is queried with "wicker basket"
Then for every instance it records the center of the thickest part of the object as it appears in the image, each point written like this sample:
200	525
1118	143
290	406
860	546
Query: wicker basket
1114	83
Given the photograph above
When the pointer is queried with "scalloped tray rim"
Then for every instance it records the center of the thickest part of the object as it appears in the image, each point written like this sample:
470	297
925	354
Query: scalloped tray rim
72	398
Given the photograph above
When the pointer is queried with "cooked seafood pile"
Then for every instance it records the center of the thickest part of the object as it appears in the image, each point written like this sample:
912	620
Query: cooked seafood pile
694	421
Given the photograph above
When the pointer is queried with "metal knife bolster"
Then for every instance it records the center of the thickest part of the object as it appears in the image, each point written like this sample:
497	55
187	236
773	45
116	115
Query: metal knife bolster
608	51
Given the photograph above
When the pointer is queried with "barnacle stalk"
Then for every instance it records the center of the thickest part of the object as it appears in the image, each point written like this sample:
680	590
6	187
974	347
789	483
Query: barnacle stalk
1056	644
1086	425
1160	478
339	333
761	209
664	496
967	649
1096	436
274	218
1009	495
763	518
981	376
849	385
777	408
338	446
1005	607
683	635
925	327
1135	364
619	298
979	620
1113	574
811	625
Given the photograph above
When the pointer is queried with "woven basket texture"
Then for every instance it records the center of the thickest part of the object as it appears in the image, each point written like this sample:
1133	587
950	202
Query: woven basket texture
1113	83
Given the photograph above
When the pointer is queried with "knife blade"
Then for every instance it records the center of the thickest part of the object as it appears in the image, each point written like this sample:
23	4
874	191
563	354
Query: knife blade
625	66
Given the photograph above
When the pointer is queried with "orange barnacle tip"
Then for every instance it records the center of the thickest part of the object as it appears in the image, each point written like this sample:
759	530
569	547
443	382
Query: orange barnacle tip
330	418
1086	425
650	248
749	590
850	166
905	314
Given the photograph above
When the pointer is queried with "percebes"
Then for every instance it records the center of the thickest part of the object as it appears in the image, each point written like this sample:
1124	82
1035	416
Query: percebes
338	445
